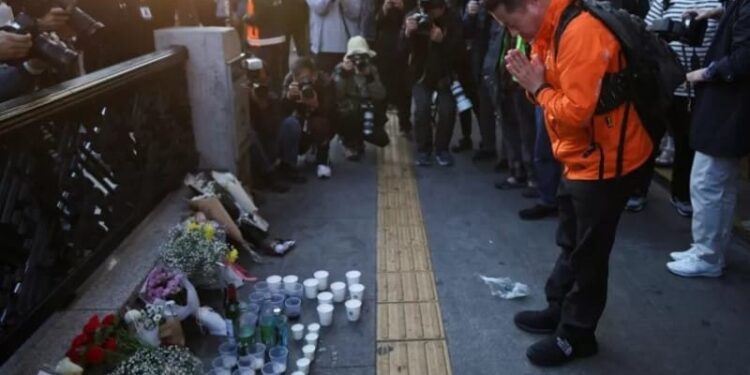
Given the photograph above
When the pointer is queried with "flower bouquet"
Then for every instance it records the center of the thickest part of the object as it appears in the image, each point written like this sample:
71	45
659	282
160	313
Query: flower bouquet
175	360
102	342
163	284
196	249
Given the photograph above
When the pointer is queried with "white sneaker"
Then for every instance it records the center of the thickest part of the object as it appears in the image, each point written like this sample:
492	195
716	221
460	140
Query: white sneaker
680	255
324	172
694	267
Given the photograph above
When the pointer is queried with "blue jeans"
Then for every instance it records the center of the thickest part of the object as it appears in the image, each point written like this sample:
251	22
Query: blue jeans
547	169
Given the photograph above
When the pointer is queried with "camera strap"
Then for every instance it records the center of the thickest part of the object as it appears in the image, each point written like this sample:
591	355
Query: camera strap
343	20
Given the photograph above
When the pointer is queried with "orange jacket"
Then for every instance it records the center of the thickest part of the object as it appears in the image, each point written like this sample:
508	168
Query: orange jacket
587	50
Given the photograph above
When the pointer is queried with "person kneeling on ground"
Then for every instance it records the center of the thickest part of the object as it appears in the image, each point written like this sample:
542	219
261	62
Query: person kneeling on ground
307	99
360	97
565	79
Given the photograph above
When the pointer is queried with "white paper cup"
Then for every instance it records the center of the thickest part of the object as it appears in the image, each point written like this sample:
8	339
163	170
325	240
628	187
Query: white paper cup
339	291
353	309
322	277
325	298
325	315
352	277
298	331
303	365
274	283
309	352
299	373
311	288
311	339
357	291
289	282
313	328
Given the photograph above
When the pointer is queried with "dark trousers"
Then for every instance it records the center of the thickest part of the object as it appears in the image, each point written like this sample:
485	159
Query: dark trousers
275	62
546	167
327	61
297	136
679	127
519	131
397	88
488	115
446	112
589	214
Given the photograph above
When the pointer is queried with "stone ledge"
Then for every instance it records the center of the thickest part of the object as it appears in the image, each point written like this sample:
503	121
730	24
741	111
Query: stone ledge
122	273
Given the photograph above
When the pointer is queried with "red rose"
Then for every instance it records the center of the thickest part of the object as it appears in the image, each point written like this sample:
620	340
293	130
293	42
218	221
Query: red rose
80	340
73	355
92	325
108	320
95	355
110	344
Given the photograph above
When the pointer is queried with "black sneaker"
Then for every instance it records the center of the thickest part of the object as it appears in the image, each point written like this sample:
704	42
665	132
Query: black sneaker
538	212
444	159
556	351
483	155
538	321
424	159
291	174
464	144
530	192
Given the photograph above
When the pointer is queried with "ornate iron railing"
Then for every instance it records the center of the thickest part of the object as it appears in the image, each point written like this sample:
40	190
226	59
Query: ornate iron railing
81	164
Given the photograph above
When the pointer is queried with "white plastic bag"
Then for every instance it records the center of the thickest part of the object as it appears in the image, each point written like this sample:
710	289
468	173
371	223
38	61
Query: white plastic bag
505	288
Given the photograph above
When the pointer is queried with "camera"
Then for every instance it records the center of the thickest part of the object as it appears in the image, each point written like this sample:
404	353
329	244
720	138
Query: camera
307	89
424	22
82	22
689	31
44	46
361	61
462	102
254	66
368	117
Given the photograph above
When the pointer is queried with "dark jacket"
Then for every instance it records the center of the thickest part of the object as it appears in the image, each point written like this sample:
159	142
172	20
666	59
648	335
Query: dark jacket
326	97
430	62
387	29
476	30
721	113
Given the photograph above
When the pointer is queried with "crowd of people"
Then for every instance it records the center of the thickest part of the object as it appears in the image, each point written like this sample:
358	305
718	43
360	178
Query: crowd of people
550	84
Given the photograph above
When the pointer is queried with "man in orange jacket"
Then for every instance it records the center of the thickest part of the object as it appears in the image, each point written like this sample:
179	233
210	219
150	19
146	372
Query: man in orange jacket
603	151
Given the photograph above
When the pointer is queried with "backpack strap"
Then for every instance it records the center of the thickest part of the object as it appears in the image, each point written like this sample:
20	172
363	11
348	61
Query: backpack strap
572	11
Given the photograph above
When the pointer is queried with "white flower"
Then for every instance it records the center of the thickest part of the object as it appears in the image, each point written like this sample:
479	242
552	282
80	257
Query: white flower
132	316
67	367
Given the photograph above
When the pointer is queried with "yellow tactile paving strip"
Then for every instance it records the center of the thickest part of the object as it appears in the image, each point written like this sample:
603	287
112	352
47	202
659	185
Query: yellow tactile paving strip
410	334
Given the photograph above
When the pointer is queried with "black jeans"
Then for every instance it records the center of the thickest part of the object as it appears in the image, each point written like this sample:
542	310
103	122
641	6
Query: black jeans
519	131
446	112
589	214
488	114
397	88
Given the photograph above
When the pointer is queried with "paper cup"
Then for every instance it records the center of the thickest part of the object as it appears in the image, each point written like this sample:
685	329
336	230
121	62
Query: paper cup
311	288
322	277
339	291
289	283
274	283
325	298
309	352
311	339
352	277
313	328
303	365
357	291
298	332
299	373
353	309
325	315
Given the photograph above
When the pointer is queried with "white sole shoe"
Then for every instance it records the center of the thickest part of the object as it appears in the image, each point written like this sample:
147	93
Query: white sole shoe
694	267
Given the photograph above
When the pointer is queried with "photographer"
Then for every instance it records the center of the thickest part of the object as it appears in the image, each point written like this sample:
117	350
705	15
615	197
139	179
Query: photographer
265	34
391	60
692	54
308	102
720	136
360	98
432	39
332	23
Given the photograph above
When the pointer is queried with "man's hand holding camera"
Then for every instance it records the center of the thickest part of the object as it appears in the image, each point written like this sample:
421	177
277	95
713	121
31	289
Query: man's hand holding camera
472	7
14	46
410	26
55	19
294	93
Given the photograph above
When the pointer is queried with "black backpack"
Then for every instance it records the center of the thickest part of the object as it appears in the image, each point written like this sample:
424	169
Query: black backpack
653	71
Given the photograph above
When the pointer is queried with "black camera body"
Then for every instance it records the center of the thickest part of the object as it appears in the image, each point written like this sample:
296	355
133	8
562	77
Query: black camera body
689	31
82	22
307	89
44	47
360	61
424	23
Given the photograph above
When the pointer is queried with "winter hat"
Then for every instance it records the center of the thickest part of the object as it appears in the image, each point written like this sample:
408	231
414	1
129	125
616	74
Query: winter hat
357	45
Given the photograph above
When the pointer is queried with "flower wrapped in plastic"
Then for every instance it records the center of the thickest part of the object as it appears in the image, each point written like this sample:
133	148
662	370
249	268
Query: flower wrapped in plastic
196	249
163	285
175	360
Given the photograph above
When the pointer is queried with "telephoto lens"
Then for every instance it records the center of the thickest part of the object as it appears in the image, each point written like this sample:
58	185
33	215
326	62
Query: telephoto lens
368	118
462	102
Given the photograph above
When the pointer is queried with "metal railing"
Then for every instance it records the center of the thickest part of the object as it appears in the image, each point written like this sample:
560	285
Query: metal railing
81	164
